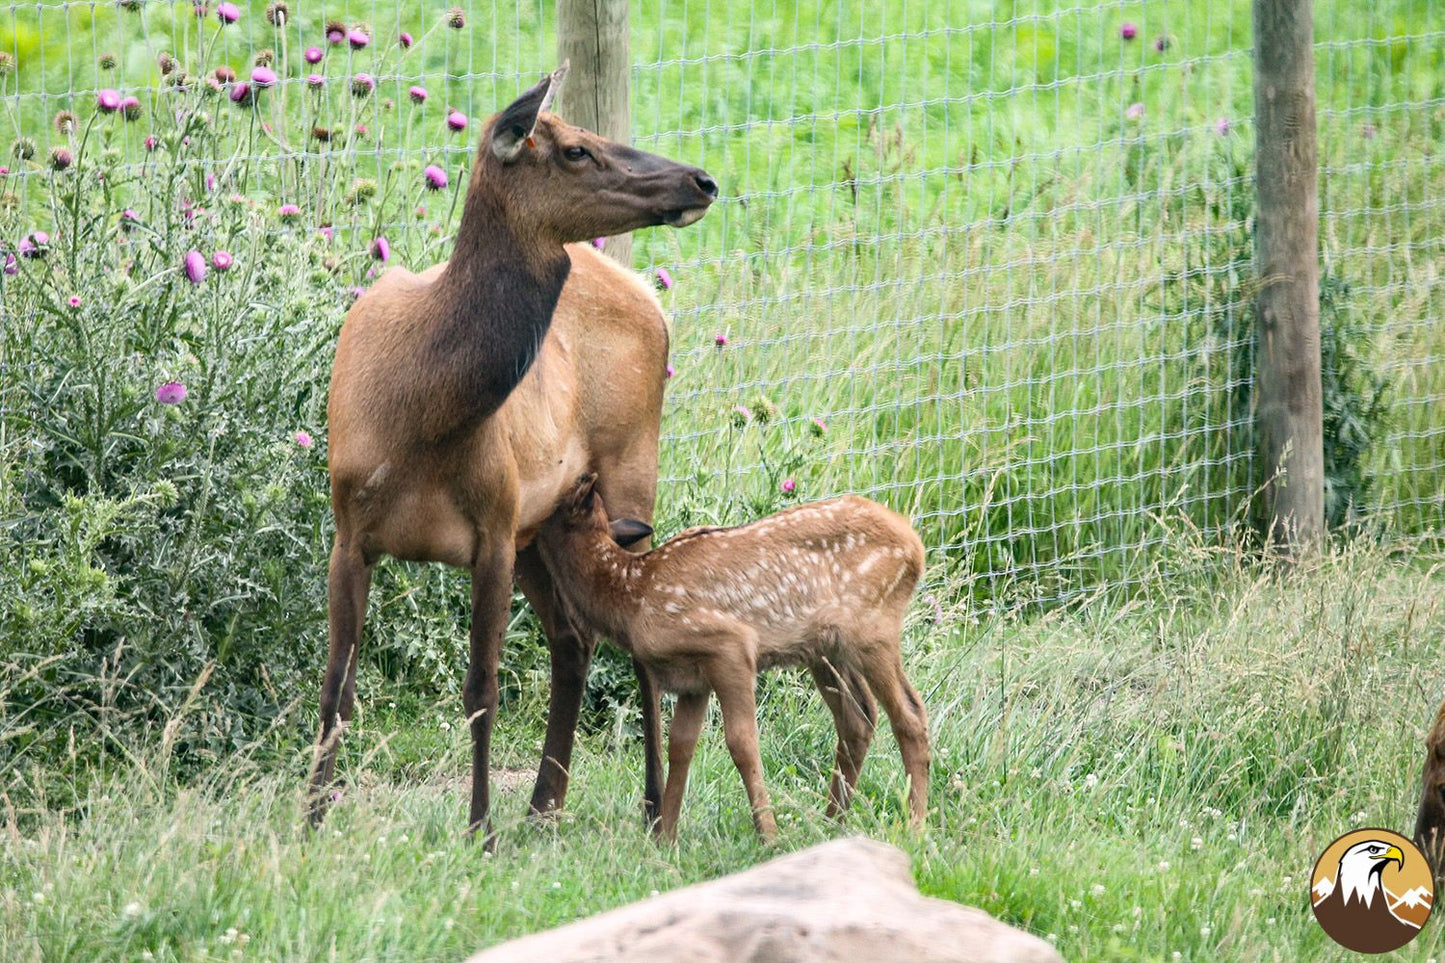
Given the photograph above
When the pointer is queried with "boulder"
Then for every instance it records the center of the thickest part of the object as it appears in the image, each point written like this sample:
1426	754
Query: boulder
839	902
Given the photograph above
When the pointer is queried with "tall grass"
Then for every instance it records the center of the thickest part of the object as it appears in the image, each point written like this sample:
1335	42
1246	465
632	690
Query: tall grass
1129	782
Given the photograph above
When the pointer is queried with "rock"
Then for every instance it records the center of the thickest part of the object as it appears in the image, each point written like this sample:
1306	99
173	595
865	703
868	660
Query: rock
838	902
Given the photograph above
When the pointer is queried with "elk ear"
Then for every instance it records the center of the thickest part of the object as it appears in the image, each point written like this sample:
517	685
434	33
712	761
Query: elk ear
629	531
514	127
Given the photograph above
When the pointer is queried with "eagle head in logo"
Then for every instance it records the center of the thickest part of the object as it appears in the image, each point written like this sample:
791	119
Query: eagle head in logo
1357	909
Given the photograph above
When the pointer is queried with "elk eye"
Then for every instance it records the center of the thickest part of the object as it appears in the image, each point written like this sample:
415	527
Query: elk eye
575	153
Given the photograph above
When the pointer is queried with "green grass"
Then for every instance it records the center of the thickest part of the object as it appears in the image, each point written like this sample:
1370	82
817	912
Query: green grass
940	235
1137	781
1020	317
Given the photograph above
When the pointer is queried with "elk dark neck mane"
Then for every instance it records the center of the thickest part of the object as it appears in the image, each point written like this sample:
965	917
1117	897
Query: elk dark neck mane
607	575
493	304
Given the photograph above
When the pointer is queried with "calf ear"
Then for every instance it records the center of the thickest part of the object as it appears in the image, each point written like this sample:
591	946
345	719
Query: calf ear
629	531
515	125
579	501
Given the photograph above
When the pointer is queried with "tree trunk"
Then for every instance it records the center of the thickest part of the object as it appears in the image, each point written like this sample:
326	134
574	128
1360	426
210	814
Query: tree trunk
1287	336
593	35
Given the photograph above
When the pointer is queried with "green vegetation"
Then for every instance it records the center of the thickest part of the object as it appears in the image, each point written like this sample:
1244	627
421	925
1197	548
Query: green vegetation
1138	782
951	271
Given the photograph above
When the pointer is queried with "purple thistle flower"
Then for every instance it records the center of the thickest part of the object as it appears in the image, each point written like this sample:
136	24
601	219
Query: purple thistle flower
263	77
598	242
328	232
288	212
222	260
240	93
671	370
406	40
436	178
171	393
33	245
150	143
304	439
228	12
1161	44
818	427
130	108
664	279
73	300
357	38
201	10
456	120
315	81
107	100
335	35
60	158
789	486
12	266
1135	111
1128	31
381	249
721	340
195	267
356	292
313	55
1222	127
742	414
417	95
362	85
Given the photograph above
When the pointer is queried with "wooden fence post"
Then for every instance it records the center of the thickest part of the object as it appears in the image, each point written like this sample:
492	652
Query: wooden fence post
1287	335
593	35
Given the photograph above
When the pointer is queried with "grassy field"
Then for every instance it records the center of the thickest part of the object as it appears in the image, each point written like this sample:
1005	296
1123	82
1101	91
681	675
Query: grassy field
1149	782
952	272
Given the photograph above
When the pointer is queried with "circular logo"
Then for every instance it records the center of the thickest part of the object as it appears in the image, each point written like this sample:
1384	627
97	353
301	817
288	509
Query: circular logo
1372	890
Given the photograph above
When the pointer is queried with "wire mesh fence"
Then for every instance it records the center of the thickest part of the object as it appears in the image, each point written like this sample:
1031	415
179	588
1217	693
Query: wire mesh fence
988	263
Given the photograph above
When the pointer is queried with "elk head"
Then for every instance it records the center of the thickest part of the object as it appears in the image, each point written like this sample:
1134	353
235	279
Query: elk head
570	184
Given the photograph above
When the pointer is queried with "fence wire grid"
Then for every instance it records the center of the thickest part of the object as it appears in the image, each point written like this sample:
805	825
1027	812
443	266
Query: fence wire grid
990	263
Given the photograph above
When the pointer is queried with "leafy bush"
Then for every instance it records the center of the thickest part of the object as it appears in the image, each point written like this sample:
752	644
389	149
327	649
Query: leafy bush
163	371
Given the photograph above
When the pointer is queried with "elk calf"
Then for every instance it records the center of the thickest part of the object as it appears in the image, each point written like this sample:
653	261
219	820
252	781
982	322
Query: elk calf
824	585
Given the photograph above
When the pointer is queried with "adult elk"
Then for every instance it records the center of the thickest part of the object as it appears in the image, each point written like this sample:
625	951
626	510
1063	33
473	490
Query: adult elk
1430	816
461	409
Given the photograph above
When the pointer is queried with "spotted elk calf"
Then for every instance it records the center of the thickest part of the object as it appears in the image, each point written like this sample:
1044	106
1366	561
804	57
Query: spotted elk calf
824	586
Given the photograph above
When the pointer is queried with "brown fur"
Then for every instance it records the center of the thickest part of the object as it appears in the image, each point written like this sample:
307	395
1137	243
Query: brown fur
465	398
824	586
1430	818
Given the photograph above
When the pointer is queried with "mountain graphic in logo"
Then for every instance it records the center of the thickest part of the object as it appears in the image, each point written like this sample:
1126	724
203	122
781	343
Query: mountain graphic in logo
1372	891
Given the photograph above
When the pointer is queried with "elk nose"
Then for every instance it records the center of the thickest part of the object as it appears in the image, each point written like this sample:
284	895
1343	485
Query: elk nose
705	183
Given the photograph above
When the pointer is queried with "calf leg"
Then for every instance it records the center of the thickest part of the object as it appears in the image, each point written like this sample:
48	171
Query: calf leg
883	667
854	716
734	686
682	741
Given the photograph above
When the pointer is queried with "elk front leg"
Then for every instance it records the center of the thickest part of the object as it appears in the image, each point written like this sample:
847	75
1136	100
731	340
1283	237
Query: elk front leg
571	650
491	603
651	696
348	583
